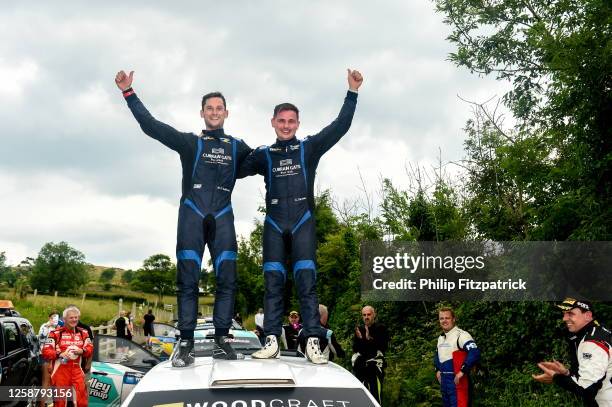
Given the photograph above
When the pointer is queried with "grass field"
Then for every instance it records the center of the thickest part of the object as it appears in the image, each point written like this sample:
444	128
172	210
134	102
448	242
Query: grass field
94	311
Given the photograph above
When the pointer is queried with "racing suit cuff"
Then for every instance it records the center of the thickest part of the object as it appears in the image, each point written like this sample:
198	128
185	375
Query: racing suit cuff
562	380
351	94
128	92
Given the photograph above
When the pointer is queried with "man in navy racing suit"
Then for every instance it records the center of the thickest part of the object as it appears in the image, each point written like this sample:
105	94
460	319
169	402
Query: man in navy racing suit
210	162
590	373
289	168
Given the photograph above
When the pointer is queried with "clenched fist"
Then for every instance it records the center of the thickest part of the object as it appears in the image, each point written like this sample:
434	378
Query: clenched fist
124	81
354	79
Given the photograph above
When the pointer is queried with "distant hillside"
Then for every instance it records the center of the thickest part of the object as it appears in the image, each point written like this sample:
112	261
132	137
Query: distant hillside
96	271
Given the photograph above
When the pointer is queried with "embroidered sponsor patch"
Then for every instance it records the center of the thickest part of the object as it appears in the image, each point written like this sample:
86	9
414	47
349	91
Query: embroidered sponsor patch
587	356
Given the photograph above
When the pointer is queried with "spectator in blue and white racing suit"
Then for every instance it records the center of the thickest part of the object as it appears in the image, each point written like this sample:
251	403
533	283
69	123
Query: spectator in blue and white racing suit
590	373
456	354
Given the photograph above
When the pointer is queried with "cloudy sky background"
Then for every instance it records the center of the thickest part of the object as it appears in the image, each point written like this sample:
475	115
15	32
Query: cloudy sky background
75	166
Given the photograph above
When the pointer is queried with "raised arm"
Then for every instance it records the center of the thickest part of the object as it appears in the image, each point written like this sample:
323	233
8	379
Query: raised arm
152	127
330	135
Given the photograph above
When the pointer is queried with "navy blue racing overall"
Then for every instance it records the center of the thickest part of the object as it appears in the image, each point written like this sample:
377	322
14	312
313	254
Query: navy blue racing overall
289	168
210	162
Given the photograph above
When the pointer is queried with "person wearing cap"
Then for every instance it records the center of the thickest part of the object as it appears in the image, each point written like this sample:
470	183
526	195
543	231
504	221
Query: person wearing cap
290	333
455	356
590	373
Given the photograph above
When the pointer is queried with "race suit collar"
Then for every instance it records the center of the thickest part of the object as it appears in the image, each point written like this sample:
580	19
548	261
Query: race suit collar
285	143
453	329
583	332
214	133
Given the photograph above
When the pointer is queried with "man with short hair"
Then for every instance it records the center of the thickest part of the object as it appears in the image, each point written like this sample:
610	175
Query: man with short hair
456	354
210	162
289	167
370	344
590	373
121	325
66	346
147	326
330	346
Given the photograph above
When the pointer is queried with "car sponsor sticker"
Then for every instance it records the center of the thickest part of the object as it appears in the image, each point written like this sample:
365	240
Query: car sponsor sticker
255	397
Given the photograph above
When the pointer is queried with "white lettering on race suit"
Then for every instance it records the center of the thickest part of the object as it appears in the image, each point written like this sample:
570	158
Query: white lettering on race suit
287	170
216	158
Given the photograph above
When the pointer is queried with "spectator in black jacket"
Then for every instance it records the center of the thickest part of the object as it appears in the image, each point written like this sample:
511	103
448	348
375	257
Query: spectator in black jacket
369	347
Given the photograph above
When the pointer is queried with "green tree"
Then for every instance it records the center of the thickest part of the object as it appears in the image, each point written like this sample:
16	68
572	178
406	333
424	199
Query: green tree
157	275
249	264
7	275
107	275
127	276
59	267
558	57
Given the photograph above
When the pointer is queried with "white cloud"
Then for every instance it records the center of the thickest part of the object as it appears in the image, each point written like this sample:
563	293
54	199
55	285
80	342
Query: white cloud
75	165
14	78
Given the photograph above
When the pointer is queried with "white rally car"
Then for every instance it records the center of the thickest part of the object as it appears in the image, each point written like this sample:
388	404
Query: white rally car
290	381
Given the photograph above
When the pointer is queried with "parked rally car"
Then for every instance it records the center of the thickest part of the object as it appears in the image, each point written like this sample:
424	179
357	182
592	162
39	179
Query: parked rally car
290	381
118	365
163	342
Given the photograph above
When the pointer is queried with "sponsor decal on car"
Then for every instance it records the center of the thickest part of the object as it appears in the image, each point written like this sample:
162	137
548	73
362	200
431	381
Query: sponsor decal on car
255	397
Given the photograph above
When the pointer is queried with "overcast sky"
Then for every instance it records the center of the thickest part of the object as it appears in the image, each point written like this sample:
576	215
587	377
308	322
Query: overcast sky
75	166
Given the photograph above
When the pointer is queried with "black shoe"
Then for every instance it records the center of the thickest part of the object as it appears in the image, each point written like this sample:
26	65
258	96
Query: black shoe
223	350
183	354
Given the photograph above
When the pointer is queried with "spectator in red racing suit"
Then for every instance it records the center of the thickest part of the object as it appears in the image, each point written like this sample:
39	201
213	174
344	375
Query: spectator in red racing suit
65	347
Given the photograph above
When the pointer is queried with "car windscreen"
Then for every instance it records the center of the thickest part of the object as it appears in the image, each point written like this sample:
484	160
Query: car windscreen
205	341
165	330
110	349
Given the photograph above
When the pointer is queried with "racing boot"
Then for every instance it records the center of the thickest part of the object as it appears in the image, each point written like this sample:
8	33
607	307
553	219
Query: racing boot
223	350
271	350
183	354
313	351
